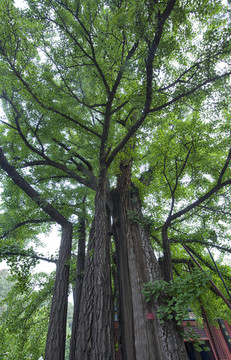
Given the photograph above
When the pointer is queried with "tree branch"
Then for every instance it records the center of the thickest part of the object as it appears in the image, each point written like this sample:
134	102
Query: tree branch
208	208
24	254
47	161
206	263
152	52
143	116
88	39
111	96
70	91
189	92
71	174
178	175
149	76
206	196
29	190
26	222
74	154
205	243
35	97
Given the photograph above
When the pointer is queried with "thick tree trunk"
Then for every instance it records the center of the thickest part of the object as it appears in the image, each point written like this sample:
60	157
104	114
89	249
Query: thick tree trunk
56	337
77	291
142	338
95	327
139	335
169	332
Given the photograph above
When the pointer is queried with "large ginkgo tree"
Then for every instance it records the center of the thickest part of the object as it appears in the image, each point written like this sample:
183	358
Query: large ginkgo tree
117	125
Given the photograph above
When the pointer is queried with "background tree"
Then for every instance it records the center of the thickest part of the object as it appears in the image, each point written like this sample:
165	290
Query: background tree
24	322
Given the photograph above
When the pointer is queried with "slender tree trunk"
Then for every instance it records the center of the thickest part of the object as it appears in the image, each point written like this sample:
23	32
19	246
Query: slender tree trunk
77	291
167	259
56	337
95	327
142	338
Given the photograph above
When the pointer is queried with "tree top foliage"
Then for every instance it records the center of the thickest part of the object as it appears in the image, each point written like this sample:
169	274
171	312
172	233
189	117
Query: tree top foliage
89	85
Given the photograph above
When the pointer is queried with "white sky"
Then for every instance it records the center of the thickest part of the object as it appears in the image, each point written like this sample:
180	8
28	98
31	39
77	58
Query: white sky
51	246
20	3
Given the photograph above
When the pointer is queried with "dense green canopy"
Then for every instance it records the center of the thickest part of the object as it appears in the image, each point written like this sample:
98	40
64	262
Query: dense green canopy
88	87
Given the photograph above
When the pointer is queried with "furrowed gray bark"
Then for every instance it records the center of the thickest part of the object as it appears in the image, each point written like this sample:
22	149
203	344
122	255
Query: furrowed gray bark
95	328
142	338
